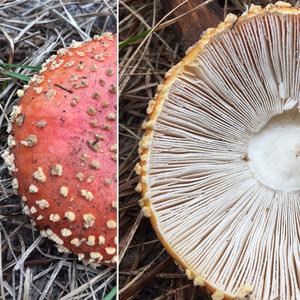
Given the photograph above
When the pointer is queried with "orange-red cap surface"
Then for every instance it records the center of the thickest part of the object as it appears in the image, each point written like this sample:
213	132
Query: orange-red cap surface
64	149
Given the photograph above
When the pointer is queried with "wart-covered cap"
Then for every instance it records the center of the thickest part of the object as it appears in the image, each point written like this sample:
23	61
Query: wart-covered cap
63	149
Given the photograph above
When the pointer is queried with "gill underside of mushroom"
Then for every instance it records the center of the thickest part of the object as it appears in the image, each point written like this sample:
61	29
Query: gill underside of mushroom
205	185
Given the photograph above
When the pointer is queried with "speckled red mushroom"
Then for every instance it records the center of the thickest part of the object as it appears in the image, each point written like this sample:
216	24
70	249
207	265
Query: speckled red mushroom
62	149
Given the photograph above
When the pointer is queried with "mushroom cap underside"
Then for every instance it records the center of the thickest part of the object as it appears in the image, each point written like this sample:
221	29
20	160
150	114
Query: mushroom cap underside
219	158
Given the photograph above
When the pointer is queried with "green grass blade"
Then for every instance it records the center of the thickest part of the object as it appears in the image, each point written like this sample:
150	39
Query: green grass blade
28	67
16	76
133	38
111	294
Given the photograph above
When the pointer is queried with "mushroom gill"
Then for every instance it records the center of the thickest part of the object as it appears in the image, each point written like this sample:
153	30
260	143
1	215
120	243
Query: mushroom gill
220	157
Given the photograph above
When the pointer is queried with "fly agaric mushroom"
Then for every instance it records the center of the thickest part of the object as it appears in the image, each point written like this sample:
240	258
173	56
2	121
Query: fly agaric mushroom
63	149
220	157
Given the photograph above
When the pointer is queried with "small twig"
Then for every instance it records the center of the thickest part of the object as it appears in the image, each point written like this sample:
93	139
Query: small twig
172	292
131	288
1	272
63	88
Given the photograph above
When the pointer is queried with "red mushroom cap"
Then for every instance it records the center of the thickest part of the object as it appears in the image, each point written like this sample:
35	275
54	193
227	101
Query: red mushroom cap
63	149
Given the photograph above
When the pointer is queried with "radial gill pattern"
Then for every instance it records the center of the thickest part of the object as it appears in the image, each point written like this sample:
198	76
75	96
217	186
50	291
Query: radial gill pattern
210	164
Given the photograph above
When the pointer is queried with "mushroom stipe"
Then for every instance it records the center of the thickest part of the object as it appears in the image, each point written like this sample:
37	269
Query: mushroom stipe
62	149
219	167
